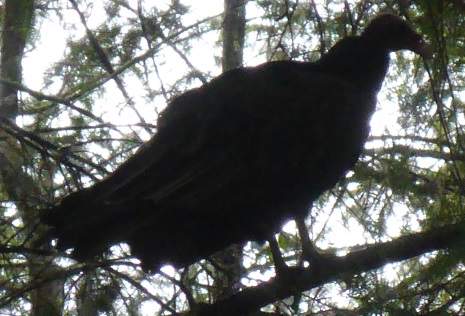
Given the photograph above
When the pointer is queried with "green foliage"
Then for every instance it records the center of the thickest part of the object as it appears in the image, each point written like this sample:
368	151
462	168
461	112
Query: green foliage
80	125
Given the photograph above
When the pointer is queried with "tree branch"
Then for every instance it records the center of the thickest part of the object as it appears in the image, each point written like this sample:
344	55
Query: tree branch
337	268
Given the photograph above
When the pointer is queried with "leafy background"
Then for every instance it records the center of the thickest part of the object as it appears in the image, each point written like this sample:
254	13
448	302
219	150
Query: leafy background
82	83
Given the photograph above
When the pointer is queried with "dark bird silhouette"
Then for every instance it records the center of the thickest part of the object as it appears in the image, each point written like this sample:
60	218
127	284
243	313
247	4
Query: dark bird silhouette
235	159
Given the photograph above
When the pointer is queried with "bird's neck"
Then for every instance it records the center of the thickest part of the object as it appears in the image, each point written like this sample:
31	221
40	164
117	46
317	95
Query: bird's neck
358	60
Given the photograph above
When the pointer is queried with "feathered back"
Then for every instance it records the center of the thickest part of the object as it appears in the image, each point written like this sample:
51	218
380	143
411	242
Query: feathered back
235	159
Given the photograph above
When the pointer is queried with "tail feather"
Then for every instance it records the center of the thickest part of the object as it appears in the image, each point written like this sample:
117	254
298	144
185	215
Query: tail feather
91	227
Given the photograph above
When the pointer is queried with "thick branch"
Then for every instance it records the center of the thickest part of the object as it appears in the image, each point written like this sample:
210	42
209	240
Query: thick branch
303	279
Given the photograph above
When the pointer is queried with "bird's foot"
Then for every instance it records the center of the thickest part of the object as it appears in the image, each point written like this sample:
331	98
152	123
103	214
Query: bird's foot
310	252
279	264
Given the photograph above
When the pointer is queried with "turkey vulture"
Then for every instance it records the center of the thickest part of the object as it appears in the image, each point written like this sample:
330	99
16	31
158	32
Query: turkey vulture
235	159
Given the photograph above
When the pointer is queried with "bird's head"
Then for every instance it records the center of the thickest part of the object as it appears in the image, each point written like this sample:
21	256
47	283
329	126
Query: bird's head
393	33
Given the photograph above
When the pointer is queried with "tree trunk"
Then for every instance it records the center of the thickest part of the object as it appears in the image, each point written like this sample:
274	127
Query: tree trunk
229	261
20	188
